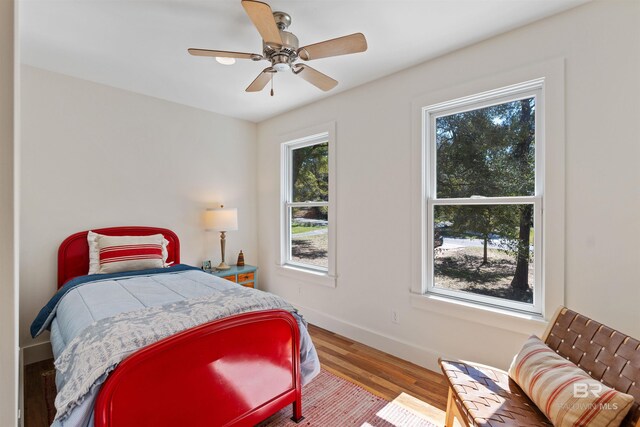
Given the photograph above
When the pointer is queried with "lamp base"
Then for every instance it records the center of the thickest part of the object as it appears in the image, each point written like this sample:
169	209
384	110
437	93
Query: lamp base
222	266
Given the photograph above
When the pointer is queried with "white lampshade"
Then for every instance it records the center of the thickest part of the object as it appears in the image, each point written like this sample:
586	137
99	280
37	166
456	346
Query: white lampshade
221	219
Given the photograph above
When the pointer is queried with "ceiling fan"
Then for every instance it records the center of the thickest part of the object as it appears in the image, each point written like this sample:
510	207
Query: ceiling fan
280	47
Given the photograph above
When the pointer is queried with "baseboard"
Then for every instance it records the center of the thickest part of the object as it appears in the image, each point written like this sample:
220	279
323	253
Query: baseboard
21	388
421	356
37	352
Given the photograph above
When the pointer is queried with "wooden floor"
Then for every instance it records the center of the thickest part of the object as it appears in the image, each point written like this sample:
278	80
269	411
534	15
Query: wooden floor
35	410
382	374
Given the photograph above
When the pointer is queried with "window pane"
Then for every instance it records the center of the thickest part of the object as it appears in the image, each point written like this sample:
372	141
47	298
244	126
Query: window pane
310	173
309	236
487	152
485	250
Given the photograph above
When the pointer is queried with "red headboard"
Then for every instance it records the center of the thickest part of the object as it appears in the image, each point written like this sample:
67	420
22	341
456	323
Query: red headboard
73	254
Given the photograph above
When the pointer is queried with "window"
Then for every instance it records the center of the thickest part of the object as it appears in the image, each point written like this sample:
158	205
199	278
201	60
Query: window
484	195
307	207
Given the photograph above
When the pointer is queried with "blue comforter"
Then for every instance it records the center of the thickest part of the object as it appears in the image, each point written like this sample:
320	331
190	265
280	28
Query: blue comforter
47	313
87	302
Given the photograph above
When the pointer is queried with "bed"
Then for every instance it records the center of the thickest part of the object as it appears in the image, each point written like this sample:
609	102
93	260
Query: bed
170	346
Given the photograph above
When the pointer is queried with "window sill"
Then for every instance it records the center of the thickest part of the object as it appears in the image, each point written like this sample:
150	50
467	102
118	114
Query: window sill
309	276
476	313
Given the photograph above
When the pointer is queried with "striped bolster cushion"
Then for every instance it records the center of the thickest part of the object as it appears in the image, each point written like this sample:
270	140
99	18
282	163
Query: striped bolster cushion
566	394
128	253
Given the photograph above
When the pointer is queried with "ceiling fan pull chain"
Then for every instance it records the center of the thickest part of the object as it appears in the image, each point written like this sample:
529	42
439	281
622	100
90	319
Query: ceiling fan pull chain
272	84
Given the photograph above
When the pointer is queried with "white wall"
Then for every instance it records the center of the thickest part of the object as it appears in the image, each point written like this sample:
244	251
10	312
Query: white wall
8	294
600	43
94	156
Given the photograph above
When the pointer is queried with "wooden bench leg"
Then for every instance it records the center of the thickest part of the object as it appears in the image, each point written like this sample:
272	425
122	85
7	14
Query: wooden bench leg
453	413
448	420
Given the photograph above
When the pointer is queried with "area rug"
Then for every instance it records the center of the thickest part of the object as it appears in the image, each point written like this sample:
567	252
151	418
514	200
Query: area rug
328	401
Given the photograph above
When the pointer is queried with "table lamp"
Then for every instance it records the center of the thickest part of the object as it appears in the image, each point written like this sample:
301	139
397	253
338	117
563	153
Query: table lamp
222	219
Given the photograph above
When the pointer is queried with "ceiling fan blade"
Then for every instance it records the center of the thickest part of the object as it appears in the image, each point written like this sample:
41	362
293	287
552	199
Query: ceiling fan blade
352	43
315	77
262	17
224	54
261	81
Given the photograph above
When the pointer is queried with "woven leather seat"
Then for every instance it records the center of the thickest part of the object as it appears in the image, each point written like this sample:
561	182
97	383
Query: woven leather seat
485	396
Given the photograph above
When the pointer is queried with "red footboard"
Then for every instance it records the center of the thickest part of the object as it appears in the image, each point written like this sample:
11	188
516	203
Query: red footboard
231	372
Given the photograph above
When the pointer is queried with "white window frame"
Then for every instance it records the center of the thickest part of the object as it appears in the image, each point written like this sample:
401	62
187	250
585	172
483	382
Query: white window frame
535	89
319	134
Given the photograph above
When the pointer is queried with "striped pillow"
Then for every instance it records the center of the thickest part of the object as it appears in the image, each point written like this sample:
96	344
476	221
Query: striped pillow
128	253
566	394
94	252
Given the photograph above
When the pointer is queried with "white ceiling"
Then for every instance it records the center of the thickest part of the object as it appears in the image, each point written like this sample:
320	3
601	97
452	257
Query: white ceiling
141	45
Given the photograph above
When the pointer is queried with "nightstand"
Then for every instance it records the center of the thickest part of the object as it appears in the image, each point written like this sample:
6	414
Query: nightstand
245	276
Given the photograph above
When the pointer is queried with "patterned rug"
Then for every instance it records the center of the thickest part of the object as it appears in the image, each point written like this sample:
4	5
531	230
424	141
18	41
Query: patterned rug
328	401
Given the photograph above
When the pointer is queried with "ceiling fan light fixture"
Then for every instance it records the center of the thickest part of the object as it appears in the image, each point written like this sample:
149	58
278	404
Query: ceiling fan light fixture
281	67
225	60
281	62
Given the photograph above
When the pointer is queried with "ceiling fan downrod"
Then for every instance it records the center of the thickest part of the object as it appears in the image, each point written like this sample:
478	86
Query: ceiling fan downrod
283	20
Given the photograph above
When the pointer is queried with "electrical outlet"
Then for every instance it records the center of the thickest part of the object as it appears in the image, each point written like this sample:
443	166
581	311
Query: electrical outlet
395	317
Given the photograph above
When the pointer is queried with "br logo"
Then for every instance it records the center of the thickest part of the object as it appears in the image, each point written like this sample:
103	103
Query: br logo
581	390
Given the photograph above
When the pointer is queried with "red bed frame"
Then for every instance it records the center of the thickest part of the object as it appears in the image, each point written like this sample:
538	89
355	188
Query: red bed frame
235	371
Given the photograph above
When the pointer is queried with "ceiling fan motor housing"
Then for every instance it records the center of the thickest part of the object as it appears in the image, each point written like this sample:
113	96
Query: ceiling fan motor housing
282	57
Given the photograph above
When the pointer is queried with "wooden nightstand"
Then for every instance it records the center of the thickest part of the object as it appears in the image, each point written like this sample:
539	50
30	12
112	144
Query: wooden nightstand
245	276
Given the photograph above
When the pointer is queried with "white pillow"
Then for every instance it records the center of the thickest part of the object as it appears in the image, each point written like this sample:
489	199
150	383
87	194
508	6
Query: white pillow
94	252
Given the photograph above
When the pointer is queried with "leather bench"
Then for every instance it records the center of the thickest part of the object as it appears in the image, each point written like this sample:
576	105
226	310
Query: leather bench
485	396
